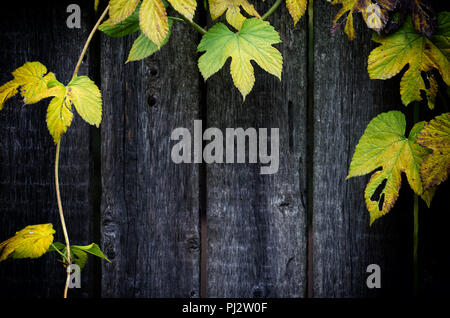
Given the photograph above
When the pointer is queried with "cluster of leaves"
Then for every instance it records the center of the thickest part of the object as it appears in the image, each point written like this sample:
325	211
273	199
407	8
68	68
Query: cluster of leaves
385	15
35	85
424	156
417	39
249	38
35	240
420	41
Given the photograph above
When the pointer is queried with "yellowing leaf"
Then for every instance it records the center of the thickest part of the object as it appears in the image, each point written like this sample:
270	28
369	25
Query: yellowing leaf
185	7
121	9
233	11
423	16
96	3
253	42
127	26
33	83
86	98
59	114
384	145
31	242
436	136
375	14
407	47
153	21
297	9
143	47
7	91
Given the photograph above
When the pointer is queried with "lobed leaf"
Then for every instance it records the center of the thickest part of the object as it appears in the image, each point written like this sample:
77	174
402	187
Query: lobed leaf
32	81
436	136
253	42
233	11
297	9
384	145
421	54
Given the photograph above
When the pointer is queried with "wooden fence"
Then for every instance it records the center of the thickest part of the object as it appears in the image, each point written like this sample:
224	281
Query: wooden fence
196	230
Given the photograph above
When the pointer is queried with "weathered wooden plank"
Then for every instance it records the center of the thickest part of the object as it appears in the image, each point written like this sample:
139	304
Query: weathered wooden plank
345	100
38	32
150	205
256	238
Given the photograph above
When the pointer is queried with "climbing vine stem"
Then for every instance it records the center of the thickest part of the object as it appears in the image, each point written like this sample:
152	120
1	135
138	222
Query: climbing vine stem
272	9
58	148
416	221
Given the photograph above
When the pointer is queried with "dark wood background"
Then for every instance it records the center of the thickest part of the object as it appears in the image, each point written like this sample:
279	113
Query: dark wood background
208	230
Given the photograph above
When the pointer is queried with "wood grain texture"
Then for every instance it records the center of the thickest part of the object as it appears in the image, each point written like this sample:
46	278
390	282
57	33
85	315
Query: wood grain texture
150	206
256	239
345	100
38	32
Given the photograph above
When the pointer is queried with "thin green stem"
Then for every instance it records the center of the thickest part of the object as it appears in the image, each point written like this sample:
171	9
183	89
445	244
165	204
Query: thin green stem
272	9
88	41
61	216
416	244
196	27
58	150
416	222
59	252
175	19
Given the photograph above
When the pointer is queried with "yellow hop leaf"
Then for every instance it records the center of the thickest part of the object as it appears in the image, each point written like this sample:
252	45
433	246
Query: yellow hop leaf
375	14
87	99
232	7
121	9
185	7
253	42
7	91
31	242
297	9
59	113
153	21
421	54
436	136
32	81
96	3
384	145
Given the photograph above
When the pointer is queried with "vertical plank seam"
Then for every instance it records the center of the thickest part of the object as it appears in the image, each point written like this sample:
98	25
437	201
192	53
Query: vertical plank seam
95	183
310	147
203	203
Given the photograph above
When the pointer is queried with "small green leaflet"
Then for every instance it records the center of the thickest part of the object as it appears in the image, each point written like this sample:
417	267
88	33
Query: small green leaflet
253	42
384	145
35	86
144	47
117	30
79	253
86	97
